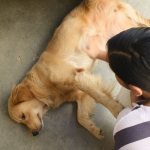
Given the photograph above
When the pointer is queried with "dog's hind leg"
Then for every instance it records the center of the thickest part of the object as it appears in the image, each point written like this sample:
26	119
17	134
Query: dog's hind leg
86	105
93	86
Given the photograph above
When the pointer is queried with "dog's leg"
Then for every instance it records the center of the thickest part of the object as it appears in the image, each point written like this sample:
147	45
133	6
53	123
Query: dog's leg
93	86
135	16
86	105
144	22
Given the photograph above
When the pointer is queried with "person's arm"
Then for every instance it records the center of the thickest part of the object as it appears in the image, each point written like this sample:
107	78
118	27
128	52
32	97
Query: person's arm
102	55
93	49
97	54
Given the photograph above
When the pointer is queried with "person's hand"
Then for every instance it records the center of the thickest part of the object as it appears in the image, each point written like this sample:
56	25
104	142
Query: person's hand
93	49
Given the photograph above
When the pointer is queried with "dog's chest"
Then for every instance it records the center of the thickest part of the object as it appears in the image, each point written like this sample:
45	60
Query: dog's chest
79	59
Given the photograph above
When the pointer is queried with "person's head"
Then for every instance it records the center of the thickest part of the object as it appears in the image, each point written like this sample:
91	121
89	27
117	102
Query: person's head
129	58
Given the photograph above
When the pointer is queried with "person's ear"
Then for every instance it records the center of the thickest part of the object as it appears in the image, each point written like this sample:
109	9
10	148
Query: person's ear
136	91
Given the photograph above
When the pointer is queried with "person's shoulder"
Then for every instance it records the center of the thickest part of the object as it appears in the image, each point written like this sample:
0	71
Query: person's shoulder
140	110
132	116
132	130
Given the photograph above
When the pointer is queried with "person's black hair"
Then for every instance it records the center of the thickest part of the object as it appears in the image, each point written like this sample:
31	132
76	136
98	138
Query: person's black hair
129	56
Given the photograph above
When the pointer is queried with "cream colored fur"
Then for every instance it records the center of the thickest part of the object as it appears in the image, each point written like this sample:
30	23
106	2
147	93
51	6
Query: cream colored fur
63	71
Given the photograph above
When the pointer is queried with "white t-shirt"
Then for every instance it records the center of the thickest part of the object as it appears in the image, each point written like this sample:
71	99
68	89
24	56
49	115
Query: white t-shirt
132	129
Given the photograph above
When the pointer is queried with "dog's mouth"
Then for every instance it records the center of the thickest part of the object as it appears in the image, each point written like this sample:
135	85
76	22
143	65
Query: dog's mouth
40	118
36	132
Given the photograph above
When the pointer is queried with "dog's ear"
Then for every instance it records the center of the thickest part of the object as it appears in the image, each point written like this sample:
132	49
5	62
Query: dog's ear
13	97
20	93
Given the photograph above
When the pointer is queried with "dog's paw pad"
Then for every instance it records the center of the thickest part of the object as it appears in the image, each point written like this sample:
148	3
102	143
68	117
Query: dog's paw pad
100	136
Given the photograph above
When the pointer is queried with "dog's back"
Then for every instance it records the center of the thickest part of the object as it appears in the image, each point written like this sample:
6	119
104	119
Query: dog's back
100	18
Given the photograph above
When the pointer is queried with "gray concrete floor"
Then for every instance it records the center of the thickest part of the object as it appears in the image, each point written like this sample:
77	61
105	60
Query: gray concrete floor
25	28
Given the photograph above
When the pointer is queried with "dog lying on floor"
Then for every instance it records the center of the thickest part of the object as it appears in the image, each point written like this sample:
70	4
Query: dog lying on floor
63	71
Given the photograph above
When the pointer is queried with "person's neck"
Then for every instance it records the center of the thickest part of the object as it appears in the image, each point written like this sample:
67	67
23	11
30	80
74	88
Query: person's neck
142	100
147	103
146	98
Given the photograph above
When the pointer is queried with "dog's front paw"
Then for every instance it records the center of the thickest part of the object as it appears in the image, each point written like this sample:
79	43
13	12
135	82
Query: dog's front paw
98	134
101	136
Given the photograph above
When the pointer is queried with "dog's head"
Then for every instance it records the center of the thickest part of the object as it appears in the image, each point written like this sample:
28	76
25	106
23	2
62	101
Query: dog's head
24	108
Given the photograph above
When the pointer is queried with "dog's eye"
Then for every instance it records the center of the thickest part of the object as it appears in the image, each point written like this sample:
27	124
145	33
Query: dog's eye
23	117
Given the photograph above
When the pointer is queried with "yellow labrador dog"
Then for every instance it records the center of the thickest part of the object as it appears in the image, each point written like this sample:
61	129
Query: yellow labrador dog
63	71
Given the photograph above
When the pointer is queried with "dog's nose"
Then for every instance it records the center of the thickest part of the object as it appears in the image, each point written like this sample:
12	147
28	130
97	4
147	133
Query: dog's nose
35	133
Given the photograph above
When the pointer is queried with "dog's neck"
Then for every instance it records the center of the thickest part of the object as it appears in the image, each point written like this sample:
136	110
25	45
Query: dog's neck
49	93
